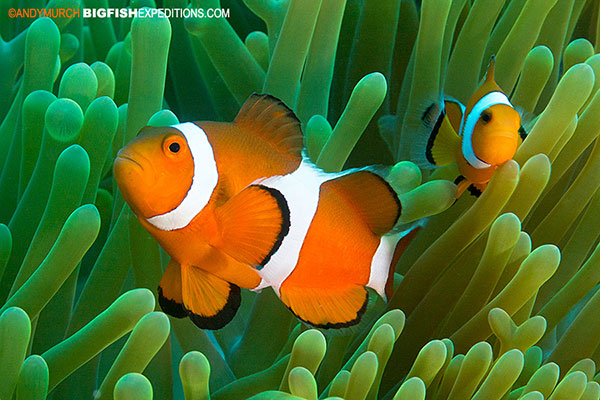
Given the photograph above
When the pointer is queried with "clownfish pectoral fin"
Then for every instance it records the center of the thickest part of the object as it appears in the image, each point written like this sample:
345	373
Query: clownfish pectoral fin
436	141
252	224
211	302
268	118
169	291
331	308
371	197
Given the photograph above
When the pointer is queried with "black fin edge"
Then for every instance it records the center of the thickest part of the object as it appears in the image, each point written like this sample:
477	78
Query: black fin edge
522	133
433	136
171	307
266	96
224	316
285	224
474	191
401	246
458	180
339	325
394	195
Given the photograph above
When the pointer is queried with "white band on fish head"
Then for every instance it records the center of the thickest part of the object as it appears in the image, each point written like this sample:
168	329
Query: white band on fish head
490	99
204	180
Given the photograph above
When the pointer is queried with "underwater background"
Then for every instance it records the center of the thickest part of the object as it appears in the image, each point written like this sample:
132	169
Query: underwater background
495	298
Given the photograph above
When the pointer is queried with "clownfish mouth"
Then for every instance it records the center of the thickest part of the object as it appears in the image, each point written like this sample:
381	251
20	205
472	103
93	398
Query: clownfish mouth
122	157
508	135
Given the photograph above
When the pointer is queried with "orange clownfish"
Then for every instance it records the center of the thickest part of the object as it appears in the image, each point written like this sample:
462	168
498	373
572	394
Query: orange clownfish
489	132
236	205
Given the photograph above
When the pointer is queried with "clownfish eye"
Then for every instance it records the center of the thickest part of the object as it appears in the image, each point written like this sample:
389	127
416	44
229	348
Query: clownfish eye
486	117
174	147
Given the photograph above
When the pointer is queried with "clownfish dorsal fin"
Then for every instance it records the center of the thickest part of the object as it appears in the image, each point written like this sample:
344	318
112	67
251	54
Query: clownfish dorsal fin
371	197
252	224
269	119
489	85
211	302
454	112
491	70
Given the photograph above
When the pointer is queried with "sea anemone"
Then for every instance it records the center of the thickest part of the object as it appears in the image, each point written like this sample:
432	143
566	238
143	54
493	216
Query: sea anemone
495	298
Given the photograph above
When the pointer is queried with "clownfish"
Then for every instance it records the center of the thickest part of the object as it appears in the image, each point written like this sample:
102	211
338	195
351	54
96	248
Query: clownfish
478	138
236	205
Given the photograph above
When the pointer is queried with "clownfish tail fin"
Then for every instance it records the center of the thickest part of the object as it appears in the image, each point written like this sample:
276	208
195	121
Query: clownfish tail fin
435	140
269	119
406	238
383	266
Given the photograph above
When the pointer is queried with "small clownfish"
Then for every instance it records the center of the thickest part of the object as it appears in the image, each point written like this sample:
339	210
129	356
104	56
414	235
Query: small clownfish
236	205
489	133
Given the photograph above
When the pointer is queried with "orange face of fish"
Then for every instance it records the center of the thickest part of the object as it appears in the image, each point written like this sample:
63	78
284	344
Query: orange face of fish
496	134
155	171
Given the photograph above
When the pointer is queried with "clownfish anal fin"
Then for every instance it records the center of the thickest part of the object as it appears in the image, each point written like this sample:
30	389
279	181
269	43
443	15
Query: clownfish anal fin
252	224
169	291
475	189
435	141
269	119
370	196
327	308
210	301
461	185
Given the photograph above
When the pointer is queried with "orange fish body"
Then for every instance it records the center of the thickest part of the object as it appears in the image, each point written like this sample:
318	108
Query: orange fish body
235	205
478	138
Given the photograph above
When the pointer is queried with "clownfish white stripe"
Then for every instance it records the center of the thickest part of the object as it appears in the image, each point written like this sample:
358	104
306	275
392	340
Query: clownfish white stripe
380	264
301	190
204	181
468	125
